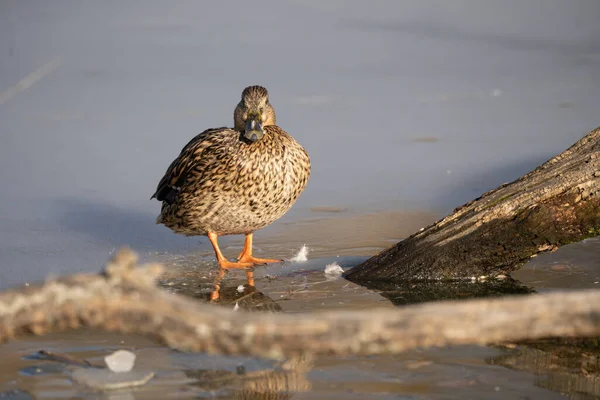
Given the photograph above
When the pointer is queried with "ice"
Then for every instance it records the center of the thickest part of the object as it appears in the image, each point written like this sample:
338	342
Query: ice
333	270
120	361
102	379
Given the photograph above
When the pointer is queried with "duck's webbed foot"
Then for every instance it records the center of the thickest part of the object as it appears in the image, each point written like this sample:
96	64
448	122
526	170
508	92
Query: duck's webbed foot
246	254
235	265
245	259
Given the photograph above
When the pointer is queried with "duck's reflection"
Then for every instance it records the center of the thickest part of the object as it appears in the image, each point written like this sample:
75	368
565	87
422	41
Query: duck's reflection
216	295
247	298
221	291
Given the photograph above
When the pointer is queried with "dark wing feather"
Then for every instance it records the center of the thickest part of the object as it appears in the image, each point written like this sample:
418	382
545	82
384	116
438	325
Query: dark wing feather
176	174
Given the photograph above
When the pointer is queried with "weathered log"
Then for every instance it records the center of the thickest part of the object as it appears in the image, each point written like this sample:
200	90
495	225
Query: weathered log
556	204
125	299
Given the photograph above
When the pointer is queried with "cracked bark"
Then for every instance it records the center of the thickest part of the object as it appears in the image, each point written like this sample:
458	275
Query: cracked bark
556	204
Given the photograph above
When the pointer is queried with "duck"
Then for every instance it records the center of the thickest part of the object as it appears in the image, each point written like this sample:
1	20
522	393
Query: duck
234	181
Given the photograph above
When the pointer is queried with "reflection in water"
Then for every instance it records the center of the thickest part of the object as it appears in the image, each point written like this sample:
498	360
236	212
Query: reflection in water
245	297
570	366
575	373
16	394
215	294
418	374
404	293
278	384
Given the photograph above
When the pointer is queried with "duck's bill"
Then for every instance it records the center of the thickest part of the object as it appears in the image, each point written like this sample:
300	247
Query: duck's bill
254	130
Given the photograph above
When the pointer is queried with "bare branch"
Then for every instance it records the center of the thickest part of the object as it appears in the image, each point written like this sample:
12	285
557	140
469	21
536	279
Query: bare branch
125	299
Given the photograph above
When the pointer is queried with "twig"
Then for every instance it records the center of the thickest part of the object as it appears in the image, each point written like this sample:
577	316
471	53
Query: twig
65	359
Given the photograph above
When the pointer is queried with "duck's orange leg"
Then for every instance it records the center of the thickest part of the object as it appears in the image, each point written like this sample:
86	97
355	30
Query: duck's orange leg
246	254
223	263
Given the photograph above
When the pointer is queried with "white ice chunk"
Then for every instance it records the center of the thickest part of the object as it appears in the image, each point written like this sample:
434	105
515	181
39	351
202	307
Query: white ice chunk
120	361
102	379
333	269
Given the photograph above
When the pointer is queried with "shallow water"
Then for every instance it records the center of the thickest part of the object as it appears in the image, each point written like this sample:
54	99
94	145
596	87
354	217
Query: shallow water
513	371
412	105
408	109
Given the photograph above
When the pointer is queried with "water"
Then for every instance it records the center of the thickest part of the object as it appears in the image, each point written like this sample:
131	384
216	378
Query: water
408	109
529	370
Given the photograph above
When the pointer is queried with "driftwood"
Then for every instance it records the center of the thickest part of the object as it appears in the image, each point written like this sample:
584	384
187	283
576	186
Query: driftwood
556	204
125	298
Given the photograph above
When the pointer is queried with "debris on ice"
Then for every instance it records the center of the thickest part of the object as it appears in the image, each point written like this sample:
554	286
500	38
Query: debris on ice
333	270
302	255
120	361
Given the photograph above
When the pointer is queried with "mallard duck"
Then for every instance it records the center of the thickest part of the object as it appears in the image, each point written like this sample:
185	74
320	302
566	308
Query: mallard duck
234	181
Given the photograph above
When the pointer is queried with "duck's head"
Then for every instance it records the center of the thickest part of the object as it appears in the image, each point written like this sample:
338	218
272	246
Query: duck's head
253	113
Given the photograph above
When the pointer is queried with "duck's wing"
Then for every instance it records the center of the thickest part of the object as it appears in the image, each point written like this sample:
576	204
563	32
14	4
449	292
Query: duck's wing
180	168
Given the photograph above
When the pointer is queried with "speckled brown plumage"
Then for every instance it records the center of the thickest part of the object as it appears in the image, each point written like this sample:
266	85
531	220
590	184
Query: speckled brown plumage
228	186
234	180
